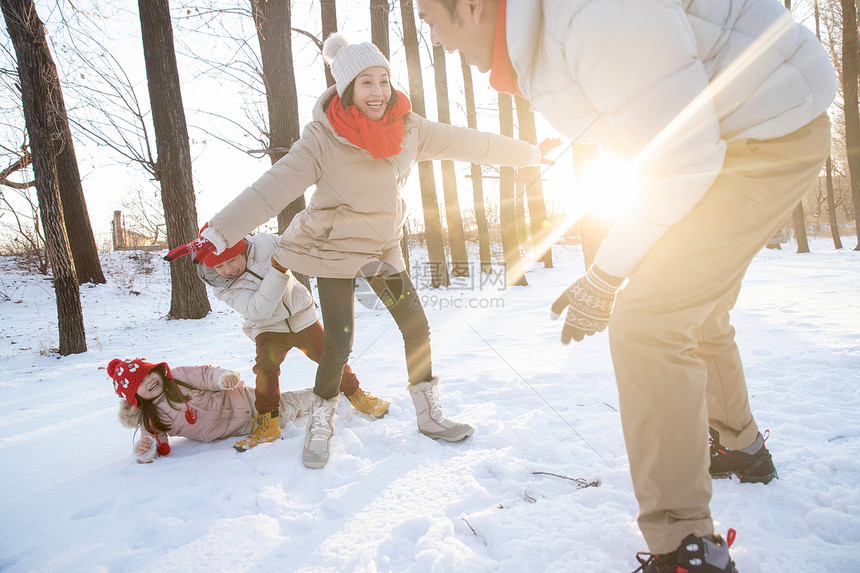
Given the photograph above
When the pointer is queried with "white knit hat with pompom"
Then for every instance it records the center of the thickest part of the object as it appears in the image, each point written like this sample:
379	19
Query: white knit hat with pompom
348	60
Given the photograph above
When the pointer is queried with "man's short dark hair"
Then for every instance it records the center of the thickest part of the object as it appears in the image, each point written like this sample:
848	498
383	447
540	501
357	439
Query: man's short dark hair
451	5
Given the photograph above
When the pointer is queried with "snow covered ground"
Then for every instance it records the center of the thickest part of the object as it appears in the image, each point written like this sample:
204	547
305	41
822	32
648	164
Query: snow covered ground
390	499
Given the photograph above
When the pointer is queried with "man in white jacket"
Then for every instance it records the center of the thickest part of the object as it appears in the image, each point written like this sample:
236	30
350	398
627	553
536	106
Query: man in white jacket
718	108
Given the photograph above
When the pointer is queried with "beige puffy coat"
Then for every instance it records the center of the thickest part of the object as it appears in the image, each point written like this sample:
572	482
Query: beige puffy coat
617	72
356	214
268	300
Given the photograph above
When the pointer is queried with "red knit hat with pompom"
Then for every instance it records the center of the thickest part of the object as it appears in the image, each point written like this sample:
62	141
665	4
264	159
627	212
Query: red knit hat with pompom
127	376
212	259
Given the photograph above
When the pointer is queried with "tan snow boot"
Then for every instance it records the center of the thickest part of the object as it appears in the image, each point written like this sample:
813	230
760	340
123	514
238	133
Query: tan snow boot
266	429
368	403
320	431
431	420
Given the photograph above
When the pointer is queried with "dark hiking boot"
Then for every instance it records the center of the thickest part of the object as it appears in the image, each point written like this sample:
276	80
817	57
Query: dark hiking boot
755	467
695	555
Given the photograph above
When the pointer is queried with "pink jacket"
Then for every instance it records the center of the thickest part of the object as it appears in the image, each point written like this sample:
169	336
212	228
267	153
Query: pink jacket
220	413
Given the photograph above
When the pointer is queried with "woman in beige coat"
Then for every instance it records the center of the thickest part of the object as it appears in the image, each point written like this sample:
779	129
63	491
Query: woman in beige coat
359	152
203	403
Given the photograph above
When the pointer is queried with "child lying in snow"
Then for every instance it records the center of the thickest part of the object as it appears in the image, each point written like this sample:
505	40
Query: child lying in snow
203	403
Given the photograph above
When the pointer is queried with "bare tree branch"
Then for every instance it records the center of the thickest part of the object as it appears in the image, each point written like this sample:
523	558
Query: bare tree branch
24	161
313	38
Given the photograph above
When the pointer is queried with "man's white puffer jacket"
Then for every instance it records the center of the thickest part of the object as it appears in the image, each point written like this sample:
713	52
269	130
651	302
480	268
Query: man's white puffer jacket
666	83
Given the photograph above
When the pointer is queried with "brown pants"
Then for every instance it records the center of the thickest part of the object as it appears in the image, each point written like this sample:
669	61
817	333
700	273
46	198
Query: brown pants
676	363
272	348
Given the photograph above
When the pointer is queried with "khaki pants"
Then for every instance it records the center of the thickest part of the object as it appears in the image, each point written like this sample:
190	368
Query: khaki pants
676	363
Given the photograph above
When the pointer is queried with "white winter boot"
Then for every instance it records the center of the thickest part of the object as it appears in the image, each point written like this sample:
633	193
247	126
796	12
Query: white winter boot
320	431
431	419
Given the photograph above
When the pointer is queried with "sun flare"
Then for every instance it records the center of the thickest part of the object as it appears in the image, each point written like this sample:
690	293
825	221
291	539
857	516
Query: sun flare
605	189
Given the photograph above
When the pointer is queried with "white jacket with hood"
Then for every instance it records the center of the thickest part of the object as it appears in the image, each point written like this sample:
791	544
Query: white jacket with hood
268	300
666	83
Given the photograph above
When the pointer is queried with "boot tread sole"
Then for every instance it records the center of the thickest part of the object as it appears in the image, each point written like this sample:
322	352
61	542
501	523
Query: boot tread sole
454	438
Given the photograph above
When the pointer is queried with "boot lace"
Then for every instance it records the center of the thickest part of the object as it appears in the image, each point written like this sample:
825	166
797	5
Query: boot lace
259	423
668	563
320	426
646	559
436	412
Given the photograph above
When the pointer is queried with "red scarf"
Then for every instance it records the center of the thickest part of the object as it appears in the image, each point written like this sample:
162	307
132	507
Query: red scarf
381	138
503	77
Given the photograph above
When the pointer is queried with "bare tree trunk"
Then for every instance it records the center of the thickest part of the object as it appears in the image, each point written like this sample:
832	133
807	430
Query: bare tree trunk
188	293
82	242
477	179
850	50
379	37
520	202
799	220
592	228
379	25
456	236
272	20
429	199
534	188
507	201
39	94
79	230
831	205
328	9
88	267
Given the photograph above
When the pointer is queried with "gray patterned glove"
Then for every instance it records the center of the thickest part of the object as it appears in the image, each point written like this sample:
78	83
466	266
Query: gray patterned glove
589	304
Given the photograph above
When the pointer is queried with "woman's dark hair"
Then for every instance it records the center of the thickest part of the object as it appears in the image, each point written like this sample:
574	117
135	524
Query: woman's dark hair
151	417
346	98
